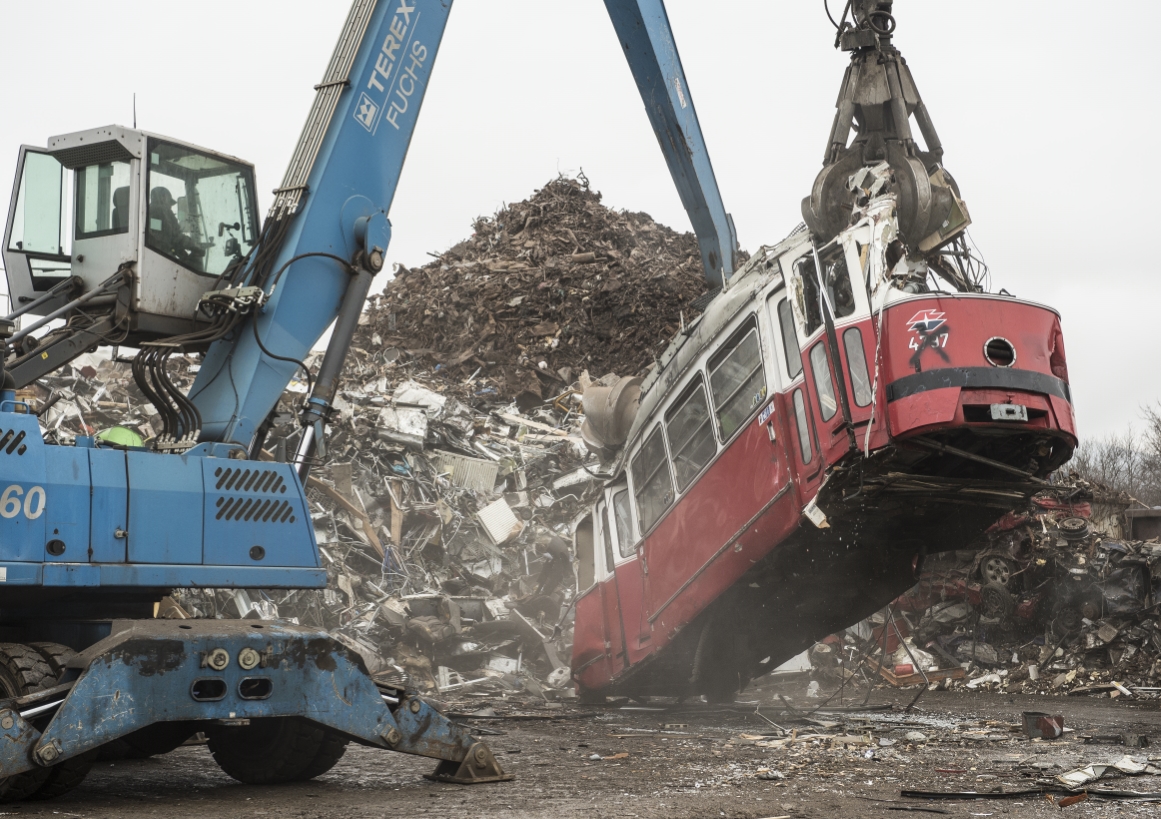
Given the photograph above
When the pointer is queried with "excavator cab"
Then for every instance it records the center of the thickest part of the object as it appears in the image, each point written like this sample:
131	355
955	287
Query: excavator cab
126	222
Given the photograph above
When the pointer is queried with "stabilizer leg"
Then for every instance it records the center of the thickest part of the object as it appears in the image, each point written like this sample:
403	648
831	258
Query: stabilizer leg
478	767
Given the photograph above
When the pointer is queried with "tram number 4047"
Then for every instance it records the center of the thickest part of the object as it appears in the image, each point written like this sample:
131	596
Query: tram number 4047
15	501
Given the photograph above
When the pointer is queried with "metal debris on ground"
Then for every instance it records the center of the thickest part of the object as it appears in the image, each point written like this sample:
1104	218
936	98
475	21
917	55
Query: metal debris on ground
1058	598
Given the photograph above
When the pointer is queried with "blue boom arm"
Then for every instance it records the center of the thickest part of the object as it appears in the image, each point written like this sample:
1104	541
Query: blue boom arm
334	200
338	189
643	28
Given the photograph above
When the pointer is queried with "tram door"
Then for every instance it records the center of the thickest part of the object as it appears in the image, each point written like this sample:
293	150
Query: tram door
630	572
590	658
839	395
610	599
802	443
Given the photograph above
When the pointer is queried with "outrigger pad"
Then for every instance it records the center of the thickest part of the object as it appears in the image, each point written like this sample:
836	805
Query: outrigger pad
478	767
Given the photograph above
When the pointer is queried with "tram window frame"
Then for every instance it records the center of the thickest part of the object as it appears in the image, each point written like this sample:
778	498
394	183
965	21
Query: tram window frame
836	272
836	277
807	279
586	554
645	473
733	389
824	385
606	536
623	514
861	387
802	422
791	350
696	438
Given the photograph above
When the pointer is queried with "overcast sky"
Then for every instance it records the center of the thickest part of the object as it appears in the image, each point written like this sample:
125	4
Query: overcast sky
1044	108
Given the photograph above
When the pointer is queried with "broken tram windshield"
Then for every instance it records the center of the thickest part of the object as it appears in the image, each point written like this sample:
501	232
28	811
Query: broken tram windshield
835	277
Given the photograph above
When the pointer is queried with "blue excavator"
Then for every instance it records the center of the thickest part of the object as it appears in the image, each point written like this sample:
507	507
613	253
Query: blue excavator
117	236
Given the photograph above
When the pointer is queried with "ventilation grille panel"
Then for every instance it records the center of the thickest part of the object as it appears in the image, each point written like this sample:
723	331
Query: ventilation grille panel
241	509
12	442
249	479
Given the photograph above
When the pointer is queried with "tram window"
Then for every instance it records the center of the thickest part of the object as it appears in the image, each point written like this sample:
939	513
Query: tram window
808	279
737	380
652	483
607	536
837	279
802	423
585	556
623	515
857	363
790	346
827	405
691	438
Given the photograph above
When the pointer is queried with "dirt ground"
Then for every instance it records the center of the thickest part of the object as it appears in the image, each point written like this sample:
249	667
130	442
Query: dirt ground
674	762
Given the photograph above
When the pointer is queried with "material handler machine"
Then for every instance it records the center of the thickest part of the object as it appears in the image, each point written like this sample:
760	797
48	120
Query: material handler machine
135	239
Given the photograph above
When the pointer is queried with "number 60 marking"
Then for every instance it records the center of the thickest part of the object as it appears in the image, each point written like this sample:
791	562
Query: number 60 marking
33	506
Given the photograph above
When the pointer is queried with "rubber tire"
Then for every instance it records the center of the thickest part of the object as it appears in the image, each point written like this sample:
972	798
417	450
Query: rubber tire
56	655
66	775
997	603
329	753
156	739
23	671
268	751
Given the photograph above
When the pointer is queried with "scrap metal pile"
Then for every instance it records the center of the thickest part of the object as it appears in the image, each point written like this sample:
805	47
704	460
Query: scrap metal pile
1055	600
544	289
455	456
432	515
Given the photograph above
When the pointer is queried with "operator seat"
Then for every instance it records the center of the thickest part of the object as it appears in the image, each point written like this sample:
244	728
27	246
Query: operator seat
121	208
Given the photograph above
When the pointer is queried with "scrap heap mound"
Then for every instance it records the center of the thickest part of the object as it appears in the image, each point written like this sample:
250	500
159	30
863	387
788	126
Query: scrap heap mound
455	448
544	289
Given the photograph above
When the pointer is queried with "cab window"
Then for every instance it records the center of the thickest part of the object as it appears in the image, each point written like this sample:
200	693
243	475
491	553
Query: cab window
737	380
37	226
37	218
652	482
102	199
691	435
201	210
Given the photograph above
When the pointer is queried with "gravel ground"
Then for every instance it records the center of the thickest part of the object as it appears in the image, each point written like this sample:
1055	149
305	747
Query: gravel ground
671	763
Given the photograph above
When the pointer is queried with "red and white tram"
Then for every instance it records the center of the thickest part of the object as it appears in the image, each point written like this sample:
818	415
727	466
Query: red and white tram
829	420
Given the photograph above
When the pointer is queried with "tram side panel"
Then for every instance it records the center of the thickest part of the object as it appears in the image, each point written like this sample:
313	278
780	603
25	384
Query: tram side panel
730	518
